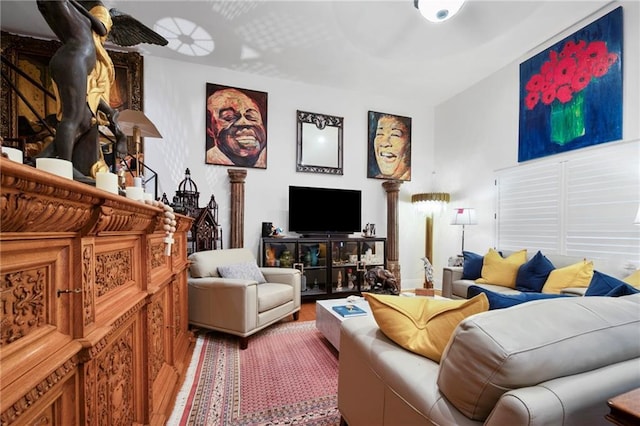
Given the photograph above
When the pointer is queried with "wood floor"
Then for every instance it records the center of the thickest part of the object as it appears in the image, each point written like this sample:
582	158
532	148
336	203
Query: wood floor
307	311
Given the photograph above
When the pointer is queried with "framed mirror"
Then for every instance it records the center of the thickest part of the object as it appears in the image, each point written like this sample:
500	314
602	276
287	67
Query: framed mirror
319	147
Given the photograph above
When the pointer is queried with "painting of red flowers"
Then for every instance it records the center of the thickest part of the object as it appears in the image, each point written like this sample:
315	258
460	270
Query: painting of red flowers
571	93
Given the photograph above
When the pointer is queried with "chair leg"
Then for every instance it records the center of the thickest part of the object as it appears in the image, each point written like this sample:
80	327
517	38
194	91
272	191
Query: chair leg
244	343
296	315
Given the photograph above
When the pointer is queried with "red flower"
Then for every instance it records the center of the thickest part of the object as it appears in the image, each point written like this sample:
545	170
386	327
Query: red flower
568	72
534	83
548	67
564	93
597	50
549	95
564	71
581	79
571	48
600	68
531	100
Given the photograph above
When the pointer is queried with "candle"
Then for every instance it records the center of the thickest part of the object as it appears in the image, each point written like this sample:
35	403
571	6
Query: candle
135	193
13	153
107	182
137	182
56	166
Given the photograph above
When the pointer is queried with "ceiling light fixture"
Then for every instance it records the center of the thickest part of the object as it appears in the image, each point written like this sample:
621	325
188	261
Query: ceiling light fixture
438	10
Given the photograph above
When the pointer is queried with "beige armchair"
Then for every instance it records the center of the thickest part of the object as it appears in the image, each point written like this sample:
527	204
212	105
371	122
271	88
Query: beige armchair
236	304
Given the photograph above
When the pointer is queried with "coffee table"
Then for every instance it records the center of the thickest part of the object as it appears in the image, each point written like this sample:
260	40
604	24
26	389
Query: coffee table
328	321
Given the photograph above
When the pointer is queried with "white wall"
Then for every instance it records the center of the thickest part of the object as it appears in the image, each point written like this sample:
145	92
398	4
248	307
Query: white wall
174	100
477	133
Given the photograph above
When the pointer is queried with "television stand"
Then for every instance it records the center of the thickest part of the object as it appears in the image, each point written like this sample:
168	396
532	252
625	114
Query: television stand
323	236
332	266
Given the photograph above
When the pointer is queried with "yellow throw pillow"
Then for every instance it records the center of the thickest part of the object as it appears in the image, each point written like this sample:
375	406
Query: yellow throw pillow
576	275
422	324
633	279
501	271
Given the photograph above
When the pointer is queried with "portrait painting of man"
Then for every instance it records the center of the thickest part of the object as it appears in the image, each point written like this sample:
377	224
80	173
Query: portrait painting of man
389	149
236	127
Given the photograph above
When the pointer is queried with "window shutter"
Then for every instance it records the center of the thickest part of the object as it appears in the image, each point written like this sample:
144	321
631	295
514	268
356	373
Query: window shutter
582	204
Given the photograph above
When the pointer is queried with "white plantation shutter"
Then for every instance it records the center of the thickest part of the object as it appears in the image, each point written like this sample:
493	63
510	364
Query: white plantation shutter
529	208
582	204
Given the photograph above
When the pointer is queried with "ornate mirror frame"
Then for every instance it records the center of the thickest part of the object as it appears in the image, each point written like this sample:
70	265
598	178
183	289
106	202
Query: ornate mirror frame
319	147
33	56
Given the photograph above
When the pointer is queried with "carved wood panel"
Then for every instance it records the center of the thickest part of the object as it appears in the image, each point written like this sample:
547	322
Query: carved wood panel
115	382
90	325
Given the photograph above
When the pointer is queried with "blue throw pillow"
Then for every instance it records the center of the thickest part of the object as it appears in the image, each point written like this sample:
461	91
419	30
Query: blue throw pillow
623	290
472	266
601	284
534	273
499	301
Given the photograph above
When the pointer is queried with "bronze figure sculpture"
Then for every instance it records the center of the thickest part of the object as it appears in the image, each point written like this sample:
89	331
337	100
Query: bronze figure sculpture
83	75
381	281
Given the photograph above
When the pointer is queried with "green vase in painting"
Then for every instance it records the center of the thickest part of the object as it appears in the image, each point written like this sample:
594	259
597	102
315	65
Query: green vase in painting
567	120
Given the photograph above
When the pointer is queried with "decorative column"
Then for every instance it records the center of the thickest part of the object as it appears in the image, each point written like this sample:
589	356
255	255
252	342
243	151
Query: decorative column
392	187
237	177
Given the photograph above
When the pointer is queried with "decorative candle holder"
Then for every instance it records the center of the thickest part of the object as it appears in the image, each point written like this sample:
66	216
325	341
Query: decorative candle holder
13	154
56	166
107	182
135	193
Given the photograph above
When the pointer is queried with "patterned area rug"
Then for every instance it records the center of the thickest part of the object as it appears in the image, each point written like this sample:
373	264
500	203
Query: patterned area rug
287	375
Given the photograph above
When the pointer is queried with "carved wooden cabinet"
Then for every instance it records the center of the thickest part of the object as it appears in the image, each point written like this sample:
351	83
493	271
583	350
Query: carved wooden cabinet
94	319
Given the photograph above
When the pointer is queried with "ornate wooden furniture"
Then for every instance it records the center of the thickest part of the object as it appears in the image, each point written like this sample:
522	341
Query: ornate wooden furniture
205	233
93	314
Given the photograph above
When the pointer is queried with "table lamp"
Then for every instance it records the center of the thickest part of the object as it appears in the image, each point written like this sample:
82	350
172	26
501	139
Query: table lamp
136	124
464	216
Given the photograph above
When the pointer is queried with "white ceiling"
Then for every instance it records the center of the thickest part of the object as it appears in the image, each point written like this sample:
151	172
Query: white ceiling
373	46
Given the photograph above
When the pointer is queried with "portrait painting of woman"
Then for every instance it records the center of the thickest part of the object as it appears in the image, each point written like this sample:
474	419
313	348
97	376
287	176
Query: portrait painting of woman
389	148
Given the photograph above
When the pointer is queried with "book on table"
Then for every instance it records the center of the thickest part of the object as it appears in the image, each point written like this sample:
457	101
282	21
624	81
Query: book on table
349	310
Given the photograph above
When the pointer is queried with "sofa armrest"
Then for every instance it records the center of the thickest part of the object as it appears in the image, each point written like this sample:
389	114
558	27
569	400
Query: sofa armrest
217	282
575	399
449	275
288	276
226	304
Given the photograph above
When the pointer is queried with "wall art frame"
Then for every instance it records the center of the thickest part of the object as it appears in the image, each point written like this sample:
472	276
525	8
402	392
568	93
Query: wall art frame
571	93
319	146
236	126
32	56
389	146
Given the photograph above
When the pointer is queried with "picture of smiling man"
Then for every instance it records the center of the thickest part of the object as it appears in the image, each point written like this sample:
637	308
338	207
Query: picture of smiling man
236	127
389	154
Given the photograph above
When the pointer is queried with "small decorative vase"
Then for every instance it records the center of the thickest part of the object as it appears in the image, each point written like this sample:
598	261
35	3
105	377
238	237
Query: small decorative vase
307	258
271	256
285	259
313	254
567	120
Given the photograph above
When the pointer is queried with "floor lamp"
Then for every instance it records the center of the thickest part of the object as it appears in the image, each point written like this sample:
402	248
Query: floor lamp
428	203
464	216
135	124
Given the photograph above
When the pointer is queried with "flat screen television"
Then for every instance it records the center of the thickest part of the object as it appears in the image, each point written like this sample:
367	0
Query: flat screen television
324	211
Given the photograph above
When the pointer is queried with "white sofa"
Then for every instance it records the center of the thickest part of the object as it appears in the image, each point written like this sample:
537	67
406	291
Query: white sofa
454	287
239	306
547	362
